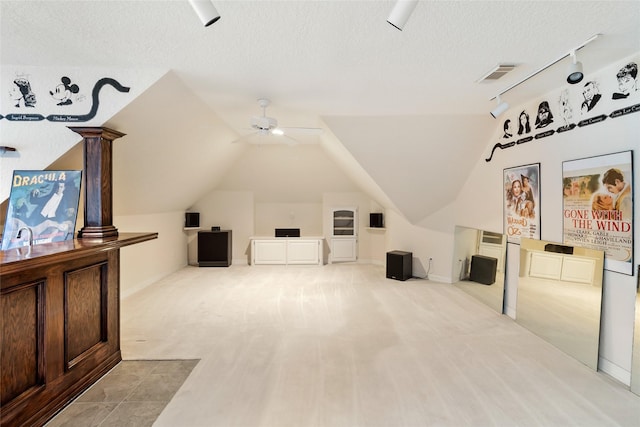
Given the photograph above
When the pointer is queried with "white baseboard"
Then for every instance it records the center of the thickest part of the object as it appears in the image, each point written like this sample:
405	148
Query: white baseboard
614	371
439	279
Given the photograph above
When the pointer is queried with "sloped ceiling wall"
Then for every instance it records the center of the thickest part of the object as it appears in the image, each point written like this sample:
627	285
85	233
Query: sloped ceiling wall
175	150
420	162
285	174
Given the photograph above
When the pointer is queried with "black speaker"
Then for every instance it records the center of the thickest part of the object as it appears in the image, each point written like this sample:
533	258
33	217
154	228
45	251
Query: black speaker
287	232
376	220
483	269
192	219
560	249
399	265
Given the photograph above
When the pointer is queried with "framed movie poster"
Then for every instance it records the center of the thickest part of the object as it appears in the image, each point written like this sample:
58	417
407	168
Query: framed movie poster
521	188
598	207
46	202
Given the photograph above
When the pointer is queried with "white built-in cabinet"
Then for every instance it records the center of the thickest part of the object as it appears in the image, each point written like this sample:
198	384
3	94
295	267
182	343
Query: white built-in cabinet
570	268
344	235
301	251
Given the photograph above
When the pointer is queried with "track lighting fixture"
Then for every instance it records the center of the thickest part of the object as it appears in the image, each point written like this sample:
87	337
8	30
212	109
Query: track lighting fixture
401	13
500	108
206	11
574	75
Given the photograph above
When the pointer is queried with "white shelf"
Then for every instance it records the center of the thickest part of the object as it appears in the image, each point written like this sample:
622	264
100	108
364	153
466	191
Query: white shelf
376	228
192	228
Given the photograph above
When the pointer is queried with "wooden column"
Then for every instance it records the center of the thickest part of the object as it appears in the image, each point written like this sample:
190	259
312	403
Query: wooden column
98	189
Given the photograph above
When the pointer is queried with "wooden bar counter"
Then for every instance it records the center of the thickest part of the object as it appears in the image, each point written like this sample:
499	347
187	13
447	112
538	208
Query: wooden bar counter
59	323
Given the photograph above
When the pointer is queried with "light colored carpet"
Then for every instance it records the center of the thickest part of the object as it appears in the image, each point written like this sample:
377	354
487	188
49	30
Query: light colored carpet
341	345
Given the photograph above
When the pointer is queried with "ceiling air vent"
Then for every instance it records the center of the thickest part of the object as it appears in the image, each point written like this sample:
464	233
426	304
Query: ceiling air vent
496	72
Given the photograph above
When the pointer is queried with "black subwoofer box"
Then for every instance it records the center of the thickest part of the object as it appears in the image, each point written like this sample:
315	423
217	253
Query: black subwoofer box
483	269
399	265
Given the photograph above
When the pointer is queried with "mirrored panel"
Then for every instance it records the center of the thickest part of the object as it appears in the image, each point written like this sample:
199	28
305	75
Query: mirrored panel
479	265
559	296
635	363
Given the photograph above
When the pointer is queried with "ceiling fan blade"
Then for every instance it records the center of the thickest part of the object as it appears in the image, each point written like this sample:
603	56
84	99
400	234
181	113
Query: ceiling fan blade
272	139
302	130
266	138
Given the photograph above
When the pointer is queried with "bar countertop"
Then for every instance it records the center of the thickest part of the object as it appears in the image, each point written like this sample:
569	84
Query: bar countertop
14	260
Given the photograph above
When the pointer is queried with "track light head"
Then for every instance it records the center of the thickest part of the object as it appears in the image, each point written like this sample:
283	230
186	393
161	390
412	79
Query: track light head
206	11
401	13
500	108
574	74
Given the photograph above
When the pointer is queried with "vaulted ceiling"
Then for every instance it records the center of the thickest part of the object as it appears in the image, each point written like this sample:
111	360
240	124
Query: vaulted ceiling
405	105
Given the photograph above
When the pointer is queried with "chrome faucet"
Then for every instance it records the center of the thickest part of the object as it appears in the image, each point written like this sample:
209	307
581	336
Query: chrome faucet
30	231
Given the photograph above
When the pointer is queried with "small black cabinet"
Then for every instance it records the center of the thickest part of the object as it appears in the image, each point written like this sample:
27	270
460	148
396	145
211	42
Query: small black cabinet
214	248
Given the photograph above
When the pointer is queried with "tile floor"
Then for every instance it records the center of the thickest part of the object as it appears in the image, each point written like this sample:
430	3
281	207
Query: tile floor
131	395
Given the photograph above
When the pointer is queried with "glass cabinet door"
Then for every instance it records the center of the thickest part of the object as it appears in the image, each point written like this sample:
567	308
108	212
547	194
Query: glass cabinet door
344	222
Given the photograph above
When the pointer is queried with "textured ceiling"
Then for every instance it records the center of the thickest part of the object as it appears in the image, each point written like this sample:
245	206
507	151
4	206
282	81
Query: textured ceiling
337	63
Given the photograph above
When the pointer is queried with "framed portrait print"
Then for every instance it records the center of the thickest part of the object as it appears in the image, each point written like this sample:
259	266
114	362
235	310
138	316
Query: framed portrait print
597	194
45	203
521	189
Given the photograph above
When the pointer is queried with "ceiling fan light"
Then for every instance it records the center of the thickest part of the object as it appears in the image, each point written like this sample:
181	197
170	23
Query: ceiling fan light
264	123
277	131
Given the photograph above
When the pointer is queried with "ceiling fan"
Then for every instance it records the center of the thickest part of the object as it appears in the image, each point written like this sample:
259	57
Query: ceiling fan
266	130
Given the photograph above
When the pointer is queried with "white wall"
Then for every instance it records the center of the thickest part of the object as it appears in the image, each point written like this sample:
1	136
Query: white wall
279	173
424	244
480	203
239	212
305	216
145	263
